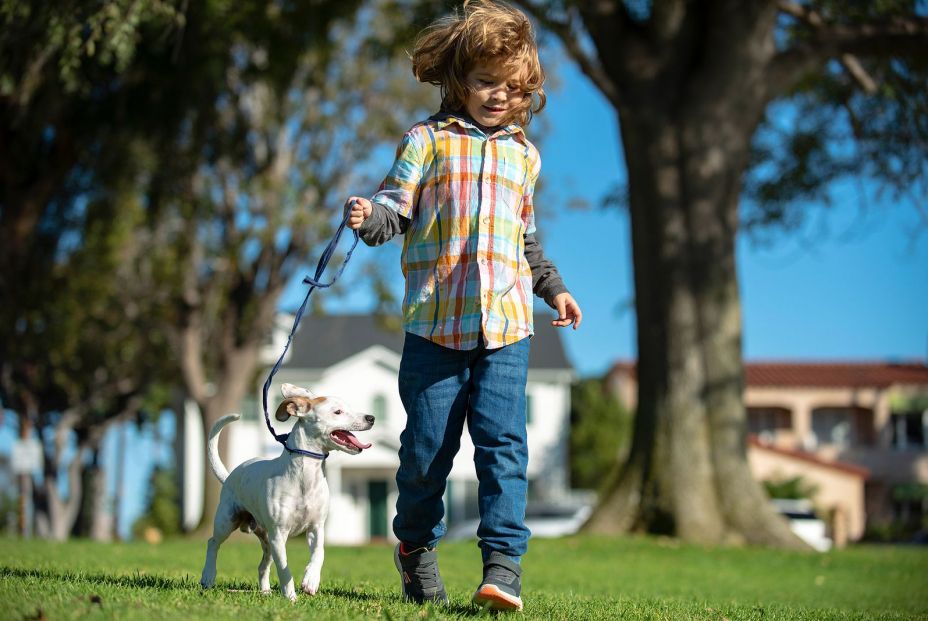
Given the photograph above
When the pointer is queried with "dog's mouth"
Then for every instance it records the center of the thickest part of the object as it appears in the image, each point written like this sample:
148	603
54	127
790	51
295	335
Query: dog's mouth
347	439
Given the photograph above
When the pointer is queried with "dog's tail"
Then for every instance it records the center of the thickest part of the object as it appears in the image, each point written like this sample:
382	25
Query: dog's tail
212	446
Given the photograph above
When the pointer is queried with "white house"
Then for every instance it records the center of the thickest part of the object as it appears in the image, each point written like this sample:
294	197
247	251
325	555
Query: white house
356	358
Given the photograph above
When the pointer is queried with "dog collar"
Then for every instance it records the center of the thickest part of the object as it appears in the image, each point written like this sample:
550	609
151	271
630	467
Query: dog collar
282	438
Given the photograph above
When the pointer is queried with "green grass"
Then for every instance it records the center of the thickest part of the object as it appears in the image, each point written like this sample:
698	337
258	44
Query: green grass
574	578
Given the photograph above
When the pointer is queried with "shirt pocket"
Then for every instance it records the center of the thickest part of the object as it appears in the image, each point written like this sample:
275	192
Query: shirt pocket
511	184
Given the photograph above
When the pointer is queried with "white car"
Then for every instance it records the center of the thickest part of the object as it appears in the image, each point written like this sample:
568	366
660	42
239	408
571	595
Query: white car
804	522
543	519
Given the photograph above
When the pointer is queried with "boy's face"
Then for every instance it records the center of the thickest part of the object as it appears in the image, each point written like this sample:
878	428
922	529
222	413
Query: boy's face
494	94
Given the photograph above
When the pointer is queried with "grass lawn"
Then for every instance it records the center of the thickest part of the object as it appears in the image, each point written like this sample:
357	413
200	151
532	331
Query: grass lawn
575	578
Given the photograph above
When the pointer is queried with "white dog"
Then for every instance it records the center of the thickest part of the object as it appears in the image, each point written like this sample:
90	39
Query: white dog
278	498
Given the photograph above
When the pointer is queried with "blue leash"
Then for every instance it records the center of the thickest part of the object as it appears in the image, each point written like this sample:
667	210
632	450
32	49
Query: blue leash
313	283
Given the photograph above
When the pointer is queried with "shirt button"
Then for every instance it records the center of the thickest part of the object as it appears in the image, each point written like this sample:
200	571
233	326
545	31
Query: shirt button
486	219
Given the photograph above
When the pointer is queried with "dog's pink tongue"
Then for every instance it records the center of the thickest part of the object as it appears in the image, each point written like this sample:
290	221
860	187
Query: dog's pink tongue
349	437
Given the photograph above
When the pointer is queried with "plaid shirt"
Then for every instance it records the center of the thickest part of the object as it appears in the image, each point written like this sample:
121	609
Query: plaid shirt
468	197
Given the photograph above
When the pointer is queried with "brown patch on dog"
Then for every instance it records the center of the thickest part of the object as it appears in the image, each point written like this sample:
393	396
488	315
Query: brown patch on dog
289	407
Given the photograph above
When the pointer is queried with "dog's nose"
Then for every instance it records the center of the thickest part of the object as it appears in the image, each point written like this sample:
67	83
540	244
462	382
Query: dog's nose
369	419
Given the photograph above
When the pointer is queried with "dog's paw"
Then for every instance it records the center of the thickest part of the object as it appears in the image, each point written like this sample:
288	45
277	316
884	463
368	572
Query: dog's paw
290	593
311	580
207	581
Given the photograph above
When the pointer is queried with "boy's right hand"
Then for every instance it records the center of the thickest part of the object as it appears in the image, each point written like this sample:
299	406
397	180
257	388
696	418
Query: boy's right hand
360	209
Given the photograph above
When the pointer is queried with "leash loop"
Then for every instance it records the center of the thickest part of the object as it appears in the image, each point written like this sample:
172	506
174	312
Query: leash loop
314	282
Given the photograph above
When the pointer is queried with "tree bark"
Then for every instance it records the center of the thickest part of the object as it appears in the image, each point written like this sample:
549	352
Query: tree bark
234	384
687	473
63	510
687	111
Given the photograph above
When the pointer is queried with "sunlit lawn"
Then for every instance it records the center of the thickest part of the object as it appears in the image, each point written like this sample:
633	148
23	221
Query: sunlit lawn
574	578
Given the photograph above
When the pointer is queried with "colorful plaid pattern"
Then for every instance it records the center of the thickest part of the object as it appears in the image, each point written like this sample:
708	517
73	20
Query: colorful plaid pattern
468	197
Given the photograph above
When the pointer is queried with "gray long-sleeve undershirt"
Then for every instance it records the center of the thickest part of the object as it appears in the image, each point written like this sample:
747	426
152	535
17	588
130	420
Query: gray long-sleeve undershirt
384	224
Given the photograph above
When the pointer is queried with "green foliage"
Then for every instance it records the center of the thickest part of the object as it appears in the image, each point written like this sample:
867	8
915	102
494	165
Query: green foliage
163	507
794	488
828	128
600	431
571	579
66	41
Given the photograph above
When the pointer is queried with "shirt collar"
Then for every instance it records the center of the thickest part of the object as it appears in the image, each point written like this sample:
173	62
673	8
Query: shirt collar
444	118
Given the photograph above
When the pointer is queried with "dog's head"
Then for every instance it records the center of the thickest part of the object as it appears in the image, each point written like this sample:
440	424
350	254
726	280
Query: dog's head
324	419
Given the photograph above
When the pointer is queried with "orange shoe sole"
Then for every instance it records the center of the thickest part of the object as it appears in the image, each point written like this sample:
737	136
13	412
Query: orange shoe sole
489	596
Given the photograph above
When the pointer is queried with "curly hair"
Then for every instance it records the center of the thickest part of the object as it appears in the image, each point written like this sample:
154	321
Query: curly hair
482	32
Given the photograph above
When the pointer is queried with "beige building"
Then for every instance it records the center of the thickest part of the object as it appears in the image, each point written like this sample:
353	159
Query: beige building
858	432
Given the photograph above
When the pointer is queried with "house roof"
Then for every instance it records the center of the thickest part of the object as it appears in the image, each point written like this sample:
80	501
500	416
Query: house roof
831	374
803	456
325	340
823	374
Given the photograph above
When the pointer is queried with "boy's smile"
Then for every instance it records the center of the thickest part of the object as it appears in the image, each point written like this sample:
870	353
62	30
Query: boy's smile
494	94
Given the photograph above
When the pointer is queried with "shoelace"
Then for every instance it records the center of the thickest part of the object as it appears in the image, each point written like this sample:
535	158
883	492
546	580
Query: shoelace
426	573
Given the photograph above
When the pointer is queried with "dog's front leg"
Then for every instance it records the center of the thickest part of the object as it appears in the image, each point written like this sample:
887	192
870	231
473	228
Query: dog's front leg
315	537
278	541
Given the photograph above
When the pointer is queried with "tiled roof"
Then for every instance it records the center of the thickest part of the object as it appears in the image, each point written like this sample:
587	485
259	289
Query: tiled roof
823	374
835	374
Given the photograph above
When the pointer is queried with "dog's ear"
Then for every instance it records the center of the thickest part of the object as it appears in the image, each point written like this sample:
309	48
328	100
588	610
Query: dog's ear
285	410
316	401
290	390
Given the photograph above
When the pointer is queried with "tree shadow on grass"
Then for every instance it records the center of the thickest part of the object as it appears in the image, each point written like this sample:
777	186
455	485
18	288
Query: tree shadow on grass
136	581
165	583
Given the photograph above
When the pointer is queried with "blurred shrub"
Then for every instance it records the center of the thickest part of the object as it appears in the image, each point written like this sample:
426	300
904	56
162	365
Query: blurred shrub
600	432
163	511
794	488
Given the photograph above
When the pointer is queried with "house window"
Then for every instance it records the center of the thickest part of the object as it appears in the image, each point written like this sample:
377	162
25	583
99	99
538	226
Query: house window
909	430
843	427
768	421
528	409
379	407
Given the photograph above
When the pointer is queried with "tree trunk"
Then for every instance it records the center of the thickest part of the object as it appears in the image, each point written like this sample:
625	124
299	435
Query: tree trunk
235	383
101	517
25	479
687	473
690	88
62	511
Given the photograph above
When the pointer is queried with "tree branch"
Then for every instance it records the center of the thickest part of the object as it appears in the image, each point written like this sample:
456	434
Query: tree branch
864	80
667	18
801	13
566	31
190	333
894	36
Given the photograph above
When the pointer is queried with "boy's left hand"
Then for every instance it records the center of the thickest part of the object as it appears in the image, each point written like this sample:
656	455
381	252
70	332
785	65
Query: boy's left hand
568	311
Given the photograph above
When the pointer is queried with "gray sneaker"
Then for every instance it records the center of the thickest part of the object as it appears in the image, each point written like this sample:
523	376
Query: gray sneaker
419	573
501	588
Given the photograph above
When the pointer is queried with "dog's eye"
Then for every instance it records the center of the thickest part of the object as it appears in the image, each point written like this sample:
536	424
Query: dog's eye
339	412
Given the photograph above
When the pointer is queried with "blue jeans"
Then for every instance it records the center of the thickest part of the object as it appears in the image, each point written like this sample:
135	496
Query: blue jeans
441	388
